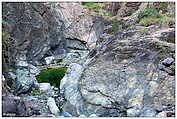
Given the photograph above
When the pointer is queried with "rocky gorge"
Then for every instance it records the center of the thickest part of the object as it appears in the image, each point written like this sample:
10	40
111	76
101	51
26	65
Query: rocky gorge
112	59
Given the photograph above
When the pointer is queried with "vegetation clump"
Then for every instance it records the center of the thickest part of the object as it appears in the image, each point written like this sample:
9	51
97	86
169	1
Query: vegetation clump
115	26
148	13
172	67
167	19
148	21
150	16
96	7
52	76
158	45
5	35
93	5
37	92
163	6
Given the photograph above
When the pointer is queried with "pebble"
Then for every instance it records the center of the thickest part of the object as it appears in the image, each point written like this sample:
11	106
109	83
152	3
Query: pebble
161	114
49	59
93	115
170	114
166	69
161	67
167	61
55	89
82	115
55	95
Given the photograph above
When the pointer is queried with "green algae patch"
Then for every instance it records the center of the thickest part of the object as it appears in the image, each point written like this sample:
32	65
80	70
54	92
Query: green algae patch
52	76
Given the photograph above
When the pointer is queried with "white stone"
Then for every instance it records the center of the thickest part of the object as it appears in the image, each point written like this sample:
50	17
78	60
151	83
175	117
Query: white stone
93	115
161	114
55	88
168	61
82	115
3	78
49	59
132	112
44	86
22	63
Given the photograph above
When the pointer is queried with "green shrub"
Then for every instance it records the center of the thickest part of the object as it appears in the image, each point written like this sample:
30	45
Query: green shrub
148	21
159	46
36	92
5	36
172	15
172	67
115	27
106	12
166	19
148	12
4	23
95	6
129	12
52	76
150	16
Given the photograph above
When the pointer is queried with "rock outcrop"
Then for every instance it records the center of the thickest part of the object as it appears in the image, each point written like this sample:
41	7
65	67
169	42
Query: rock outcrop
35	28
43	29
124	78
70	87
112	72
80	24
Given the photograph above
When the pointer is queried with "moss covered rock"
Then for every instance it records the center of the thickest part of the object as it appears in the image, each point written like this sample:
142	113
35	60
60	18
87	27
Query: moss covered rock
52	76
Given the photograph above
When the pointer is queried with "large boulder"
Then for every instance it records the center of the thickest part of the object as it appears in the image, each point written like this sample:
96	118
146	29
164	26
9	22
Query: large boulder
25	78
15	106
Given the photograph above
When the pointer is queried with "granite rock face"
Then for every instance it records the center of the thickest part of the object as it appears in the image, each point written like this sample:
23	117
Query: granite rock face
35	28
125	76
81	25
43	29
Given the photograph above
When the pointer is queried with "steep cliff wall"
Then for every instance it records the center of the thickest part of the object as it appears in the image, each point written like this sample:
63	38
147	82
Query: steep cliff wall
41	27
